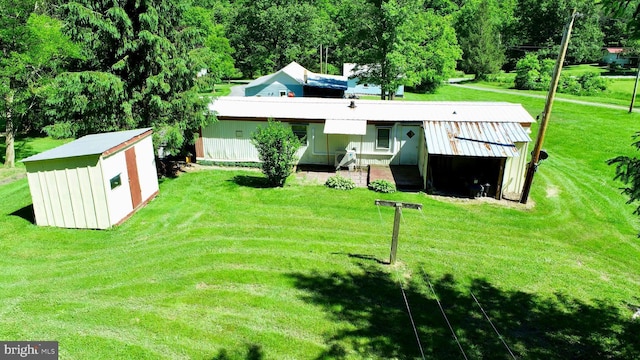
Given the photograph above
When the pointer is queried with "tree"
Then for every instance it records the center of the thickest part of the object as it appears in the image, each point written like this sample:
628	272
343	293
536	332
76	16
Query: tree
33	50
477	27
628	171
399	42
277	146
138	71
269	34
539	24
214	59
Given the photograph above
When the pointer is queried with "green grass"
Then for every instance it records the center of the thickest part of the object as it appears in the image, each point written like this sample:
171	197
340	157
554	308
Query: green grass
24	147
219	267
577	70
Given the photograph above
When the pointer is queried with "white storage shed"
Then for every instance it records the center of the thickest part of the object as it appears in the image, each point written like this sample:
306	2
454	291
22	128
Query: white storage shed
94	182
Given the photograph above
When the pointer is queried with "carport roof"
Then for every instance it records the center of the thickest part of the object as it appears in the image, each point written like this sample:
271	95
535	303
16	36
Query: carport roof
479	139
94	144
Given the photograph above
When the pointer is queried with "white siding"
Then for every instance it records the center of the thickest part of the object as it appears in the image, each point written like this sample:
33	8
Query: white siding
515	170
63	193
147	168
119	198
230	140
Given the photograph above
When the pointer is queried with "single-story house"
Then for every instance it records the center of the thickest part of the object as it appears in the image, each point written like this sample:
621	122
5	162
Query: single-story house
94	182
295	81
616	55
453	144
354	87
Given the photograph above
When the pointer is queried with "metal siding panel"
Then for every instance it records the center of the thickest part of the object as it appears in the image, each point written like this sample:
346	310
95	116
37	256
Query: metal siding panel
64	196
100	195
221	144
54	198
88	201
46	198
35	187
76	197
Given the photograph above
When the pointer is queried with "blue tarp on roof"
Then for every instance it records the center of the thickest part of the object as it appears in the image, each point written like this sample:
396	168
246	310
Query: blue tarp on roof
327	82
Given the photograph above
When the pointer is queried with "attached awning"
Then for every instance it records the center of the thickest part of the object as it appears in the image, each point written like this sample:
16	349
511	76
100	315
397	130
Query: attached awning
345	127
480	139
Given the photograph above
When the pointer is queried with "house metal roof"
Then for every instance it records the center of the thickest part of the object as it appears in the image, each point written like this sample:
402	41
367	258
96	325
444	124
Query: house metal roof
480	139
297	72
292	109
95	144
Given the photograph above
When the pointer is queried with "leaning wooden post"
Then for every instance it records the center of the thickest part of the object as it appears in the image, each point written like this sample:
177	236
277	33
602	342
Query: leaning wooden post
396	223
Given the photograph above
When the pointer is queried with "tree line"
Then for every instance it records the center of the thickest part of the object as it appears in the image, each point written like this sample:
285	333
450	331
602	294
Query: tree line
79	67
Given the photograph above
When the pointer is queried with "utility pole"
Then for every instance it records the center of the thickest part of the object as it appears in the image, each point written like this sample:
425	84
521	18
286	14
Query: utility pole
396	223
535	155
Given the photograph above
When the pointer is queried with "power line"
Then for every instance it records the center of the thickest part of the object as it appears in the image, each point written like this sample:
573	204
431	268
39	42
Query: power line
413	324
494	328
445	315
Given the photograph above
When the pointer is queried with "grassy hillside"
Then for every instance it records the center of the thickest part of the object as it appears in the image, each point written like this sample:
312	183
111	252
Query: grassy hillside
219	267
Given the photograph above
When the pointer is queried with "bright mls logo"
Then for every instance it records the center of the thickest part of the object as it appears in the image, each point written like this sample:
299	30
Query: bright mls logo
32	350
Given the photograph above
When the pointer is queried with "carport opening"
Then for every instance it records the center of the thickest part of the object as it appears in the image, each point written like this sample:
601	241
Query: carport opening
461	176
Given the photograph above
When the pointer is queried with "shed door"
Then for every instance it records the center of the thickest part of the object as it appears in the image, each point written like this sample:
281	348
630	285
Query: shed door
409	145
134	180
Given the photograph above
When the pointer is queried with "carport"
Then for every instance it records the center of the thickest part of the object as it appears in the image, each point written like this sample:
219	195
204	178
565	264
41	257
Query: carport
467	158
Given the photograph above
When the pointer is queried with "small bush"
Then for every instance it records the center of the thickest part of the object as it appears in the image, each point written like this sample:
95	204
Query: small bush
340	183
277	146
383	186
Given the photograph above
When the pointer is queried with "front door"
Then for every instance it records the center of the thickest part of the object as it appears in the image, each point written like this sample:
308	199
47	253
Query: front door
134	180
409	143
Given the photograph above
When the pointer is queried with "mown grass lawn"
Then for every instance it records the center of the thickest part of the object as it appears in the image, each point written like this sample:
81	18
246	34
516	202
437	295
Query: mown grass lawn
218	267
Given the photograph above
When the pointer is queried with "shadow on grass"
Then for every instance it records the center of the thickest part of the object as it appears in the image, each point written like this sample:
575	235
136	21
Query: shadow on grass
369	307
25	213
362	257
259	182
254	352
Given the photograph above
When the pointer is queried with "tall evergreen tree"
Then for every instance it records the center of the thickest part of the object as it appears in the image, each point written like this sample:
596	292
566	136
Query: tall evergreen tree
138	71
477	27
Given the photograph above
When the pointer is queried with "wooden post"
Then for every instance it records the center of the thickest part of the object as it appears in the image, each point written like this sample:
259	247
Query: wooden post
396	223
535	155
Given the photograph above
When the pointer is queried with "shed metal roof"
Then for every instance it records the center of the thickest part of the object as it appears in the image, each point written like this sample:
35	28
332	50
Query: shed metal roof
95	144
292	109
480	139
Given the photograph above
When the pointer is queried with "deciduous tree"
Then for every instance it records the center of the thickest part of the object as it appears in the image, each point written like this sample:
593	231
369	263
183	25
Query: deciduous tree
33	49
399	42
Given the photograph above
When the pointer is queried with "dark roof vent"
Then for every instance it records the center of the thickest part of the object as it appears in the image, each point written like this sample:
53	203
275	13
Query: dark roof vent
352	105
454	112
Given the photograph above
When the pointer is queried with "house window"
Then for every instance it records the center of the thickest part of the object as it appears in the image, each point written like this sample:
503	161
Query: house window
239	134
115	181
283	93
301	132
383	137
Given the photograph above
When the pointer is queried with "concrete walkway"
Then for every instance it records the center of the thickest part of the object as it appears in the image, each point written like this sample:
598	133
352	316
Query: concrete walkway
538	96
